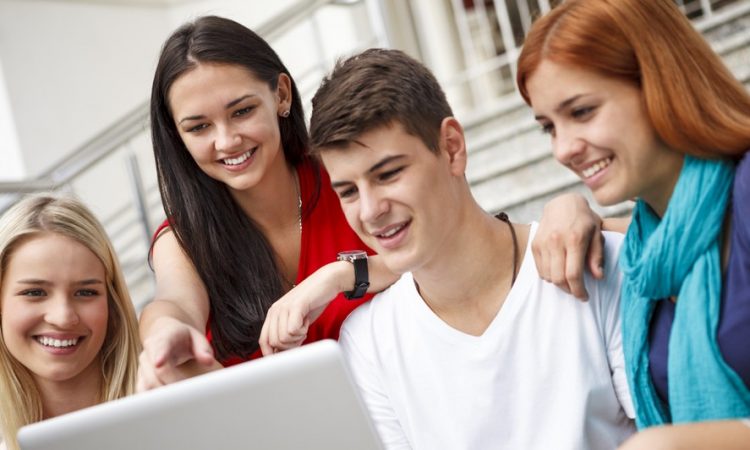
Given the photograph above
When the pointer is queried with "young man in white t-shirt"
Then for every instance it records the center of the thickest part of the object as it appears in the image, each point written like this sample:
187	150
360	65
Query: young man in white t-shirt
470	349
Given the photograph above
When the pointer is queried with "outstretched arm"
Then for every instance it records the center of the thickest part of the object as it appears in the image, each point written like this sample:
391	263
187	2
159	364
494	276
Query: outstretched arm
171	326
288	318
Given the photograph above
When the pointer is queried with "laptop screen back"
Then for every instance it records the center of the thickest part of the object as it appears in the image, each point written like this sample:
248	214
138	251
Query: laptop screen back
299	399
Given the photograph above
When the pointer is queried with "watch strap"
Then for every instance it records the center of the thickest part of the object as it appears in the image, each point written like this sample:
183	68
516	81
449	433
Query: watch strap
361	279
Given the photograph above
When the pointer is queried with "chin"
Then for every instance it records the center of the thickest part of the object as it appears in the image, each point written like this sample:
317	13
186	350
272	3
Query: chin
604	198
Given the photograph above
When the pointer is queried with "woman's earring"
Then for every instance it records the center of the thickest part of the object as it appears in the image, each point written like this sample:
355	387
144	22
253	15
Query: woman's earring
285	114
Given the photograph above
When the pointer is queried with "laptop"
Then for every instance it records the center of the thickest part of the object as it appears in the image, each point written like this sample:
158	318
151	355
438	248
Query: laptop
299	399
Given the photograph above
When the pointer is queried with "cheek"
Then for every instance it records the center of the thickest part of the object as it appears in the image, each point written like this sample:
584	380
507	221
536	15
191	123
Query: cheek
16	317
351	212
16	323
605	130
96	316
196	148
265	130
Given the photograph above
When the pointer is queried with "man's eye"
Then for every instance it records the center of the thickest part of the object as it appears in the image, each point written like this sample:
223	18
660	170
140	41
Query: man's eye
347	192
390	174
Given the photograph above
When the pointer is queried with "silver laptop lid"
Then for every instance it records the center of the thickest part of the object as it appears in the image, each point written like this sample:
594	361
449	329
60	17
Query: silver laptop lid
299	399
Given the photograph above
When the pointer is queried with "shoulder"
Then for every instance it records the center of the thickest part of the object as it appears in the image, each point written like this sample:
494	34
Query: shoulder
604	294
612	245
380	311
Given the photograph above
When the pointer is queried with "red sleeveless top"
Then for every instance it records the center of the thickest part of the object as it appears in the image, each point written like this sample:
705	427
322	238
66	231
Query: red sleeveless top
325	232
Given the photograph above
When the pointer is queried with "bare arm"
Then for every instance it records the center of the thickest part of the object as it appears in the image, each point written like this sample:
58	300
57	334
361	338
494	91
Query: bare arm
172	326
288	318
718	435
618	224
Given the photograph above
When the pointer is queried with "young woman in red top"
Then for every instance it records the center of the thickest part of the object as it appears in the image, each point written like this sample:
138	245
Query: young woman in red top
250	215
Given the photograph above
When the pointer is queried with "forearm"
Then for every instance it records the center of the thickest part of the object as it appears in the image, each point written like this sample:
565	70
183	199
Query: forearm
717	435
618	224
341	274
160	308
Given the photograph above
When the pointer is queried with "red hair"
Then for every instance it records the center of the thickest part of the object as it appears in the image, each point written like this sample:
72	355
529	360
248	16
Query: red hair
693	101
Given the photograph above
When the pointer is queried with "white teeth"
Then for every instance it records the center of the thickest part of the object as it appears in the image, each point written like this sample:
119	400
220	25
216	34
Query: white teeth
238	160
58	343
593	170
391	232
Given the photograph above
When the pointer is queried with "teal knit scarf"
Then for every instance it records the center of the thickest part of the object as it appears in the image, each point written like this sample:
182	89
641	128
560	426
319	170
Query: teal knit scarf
679	255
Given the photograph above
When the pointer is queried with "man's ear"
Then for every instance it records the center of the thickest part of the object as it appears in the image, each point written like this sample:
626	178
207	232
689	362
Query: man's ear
453	143
284	92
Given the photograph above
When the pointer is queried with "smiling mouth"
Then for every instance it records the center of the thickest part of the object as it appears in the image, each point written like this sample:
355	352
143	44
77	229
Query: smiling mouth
391	231
57	343
596	168
240	159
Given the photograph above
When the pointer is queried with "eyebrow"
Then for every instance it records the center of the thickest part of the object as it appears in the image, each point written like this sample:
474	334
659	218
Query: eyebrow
39	282
564	104
227	106
376	166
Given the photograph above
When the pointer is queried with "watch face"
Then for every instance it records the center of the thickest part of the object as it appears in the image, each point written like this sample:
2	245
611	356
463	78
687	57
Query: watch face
351	255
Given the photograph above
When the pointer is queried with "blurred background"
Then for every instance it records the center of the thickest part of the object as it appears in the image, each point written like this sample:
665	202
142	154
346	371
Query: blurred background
75	78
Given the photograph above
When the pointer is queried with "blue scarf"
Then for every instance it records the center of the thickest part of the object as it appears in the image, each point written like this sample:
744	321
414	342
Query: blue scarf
679	255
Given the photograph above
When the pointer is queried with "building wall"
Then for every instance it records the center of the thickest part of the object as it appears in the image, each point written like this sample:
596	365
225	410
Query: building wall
10	152
73	68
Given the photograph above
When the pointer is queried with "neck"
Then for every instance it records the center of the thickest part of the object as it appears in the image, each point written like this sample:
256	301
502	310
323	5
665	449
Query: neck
482	247
661	192
62	397
273	203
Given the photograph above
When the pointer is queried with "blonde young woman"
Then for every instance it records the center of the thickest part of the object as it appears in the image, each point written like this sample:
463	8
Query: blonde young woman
639	106
69	331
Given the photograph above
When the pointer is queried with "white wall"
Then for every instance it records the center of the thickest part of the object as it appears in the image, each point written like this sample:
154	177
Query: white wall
11	166
250	13
72	69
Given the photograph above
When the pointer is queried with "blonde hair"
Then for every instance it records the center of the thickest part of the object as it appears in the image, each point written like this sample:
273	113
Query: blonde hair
21	401
692	100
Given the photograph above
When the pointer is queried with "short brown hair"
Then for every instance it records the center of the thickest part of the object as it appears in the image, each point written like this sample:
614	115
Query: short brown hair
373	89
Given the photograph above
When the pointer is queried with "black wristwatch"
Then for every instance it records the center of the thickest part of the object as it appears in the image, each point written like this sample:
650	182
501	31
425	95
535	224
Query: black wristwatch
358	258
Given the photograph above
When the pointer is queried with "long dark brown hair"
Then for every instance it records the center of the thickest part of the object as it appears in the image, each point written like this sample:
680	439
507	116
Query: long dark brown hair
230	253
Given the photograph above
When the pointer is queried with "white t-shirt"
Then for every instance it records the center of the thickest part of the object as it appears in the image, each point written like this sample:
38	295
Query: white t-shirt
548	373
